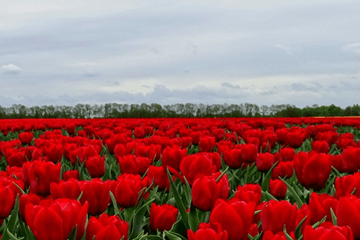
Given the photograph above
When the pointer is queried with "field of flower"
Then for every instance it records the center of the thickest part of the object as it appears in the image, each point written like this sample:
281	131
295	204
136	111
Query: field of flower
182	178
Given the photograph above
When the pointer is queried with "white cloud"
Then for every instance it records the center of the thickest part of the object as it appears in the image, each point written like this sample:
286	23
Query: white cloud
286	49
10	69
353	47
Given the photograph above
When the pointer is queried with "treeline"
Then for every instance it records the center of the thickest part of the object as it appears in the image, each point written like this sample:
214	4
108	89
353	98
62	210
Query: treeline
115	110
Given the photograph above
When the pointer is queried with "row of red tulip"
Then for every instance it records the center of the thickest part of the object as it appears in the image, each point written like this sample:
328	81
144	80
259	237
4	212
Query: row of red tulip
116	172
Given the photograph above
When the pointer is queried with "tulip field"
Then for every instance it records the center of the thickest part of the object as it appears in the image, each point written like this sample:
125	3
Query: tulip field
180	178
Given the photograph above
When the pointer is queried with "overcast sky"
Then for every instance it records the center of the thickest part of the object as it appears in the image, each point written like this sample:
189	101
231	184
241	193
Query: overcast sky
263	52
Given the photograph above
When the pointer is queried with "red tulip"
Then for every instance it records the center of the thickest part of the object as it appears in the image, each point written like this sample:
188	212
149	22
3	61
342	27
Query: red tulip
248	193
283	169
277	214
264	161
319	207
277	188
55	219
172	157
295	139
320	146
330	137
162	217
97	194
195	166
14	157
95	166
350	159
218	133
235	218
28	198
26	137
348	214
205	191
134	165
206	144
286	154
54	153
233	158
269	235
41	174
119	150
206	232
65	189
347	185
312	171
127	189
159	176
248	152
71	174
328	232
7	200
139	132
345	142
106	227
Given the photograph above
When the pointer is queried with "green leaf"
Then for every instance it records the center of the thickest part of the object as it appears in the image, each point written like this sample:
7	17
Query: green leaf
250	174
174	236
9	236
298	228
319	222
178	226
298	200
288	237
72	235
237	138
79	197
25	230
140	236
116	208
193	218
336	171
187	193
257	237
333	217
22	191
267	196
266	181
137	222
151	237
14	217
222	174
178	200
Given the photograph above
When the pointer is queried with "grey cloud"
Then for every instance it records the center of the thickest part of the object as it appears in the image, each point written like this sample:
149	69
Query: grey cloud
303	87
113	83
266	93
299	96
229	85
318	85
91	74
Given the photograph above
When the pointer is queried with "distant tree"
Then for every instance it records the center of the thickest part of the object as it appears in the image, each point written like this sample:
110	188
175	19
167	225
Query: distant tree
335	110
264	110
156	110
189	110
